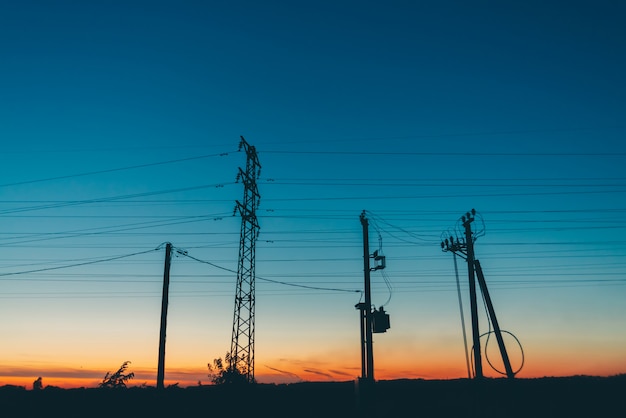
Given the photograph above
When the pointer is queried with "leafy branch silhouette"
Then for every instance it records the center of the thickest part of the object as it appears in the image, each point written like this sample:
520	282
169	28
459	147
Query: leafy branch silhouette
118	379
228	374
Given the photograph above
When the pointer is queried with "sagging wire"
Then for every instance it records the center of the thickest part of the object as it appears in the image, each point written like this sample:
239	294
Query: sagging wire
458	288
383	273
186	254
375	218
380	253
488	335
84	263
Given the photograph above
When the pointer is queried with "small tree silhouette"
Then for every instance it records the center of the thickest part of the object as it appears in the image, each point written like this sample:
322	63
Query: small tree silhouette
229	374
118	379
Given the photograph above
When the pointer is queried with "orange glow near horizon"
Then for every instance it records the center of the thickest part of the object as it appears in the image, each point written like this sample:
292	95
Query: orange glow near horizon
393	360
296	371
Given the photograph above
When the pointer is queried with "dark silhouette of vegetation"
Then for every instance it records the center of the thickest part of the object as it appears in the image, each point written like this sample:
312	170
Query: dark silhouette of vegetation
226	372
38	384
118	379
573	397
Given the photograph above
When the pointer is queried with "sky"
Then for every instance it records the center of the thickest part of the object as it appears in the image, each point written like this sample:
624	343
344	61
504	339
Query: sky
120	123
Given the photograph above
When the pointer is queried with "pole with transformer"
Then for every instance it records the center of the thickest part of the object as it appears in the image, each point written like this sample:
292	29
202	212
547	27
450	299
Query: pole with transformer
371	321
367	308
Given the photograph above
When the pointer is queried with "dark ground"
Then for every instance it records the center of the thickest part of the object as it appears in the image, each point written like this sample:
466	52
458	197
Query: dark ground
546	397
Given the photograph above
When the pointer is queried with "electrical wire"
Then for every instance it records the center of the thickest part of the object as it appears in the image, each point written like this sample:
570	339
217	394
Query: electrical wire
108	230
377	219
518	343
438	185
184	253
450	154
444	196
66	203
380	253
458	288
78	264
471	180
112	170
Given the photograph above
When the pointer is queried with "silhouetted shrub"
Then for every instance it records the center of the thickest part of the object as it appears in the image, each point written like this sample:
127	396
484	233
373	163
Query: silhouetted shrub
117	379
229	374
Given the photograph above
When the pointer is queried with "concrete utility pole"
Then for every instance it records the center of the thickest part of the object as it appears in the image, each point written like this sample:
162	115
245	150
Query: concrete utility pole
164	303
494	321
469	242
464	246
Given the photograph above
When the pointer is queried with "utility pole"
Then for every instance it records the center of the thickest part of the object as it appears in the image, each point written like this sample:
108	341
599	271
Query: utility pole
164	303
469	242
367	311
463	245
242	343
371	321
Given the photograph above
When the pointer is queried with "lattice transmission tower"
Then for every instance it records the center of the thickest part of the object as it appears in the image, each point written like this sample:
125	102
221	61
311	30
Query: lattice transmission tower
242	345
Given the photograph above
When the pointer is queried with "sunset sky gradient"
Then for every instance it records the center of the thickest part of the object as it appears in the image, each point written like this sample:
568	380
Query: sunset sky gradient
120	123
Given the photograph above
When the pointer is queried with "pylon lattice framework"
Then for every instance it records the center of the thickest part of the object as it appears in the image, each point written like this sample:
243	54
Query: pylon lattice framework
242	344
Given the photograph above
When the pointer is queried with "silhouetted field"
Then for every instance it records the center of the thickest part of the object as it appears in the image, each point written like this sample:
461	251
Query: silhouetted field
547	397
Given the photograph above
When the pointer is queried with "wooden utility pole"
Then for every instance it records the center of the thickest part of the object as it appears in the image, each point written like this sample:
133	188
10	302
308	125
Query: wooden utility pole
164	302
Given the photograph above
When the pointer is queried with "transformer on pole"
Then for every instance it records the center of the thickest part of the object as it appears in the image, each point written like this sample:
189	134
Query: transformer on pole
241	357
371	321
366	309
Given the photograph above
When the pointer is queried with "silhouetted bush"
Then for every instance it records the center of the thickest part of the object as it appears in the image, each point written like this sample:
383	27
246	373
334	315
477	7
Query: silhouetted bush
229	374
118	379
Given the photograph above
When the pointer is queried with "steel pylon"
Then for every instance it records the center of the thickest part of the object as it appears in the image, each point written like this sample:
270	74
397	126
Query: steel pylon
242	344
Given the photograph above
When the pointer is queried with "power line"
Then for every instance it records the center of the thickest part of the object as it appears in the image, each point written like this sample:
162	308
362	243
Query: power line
440	179
395	184
111	170
110	231
360	140
78	264
450	154
442	196
184	253
64	203
125	200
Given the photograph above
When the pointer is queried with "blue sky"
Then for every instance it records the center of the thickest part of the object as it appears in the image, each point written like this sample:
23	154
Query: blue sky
120	123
